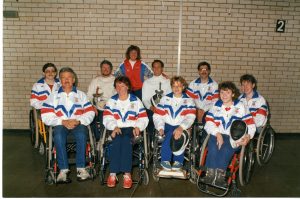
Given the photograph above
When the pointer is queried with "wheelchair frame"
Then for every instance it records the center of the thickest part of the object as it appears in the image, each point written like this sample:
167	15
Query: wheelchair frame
142	173
190	157
38	131
51	171
242	162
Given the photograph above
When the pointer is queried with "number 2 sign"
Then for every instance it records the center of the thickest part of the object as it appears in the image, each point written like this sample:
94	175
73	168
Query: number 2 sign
280	26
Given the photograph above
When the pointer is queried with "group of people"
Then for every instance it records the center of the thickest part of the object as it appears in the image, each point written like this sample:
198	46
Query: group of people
135	98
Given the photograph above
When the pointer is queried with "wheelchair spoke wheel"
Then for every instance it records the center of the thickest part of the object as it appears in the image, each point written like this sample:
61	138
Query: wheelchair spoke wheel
246	164
265	145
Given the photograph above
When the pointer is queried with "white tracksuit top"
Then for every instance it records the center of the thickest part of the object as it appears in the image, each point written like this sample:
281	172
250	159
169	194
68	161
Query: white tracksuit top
61	106
40	92
204	94
218	119
258	108
175	111
128	113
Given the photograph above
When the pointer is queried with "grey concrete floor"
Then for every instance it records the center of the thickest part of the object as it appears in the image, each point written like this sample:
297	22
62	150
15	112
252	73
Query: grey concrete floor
23	175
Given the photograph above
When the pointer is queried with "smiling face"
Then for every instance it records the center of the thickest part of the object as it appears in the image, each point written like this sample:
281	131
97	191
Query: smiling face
204	72
157	69
133	54
50	73
177	88
247	87
226	96
67	80
105	70
122	89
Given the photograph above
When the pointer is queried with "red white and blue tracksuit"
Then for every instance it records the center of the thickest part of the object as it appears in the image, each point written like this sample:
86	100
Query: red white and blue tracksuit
171	113
125	115
62	106
204	94
258	108
40	92
135	74
218	120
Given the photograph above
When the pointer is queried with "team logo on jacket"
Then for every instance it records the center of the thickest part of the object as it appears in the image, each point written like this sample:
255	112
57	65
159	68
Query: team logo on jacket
185	101
237	110
132	106
76	99
253	103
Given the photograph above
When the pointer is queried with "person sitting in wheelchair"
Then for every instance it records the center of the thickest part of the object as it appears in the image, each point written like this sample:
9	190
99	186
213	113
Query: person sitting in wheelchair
45	86
125	116
68	111
219	120
100	89
256	103
175	112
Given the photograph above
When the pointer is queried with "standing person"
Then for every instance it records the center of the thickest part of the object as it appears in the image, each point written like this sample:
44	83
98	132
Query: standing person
156	85
126	117
204	90
45	86
174	113
134	69
218	123
100	90
253	100
68	111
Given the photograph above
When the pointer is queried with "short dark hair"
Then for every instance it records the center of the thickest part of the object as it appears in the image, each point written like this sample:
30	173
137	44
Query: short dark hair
228	85
249	78
106	62
204	63
125	80
158	61
49	65
131	48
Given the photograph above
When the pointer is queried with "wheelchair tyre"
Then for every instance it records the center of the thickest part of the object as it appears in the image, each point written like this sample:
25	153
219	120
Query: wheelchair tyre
42	148
246	163
49	178
265	145
154	174
235	193
32	126
193	177
145	177
203	151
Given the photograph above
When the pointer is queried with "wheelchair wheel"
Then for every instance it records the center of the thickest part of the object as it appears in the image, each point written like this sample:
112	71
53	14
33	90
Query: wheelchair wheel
32	126
246	163
42	147
49	178
265	145
145	177
203	151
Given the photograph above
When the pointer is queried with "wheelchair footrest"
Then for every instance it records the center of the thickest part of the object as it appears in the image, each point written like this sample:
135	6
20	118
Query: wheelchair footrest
172	174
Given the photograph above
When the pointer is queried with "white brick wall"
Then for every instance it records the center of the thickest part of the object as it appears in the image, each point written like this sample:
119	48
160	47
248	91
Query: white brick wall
235	36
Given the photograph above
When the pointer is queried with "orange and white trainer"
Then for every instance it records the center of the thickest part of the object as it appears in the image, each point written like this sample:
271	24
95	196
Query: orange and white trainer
127	182
111	181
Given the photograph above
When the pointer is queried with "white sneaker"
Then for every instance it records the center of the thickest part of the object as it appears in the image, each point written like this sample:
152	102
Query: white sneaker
82	174
62	176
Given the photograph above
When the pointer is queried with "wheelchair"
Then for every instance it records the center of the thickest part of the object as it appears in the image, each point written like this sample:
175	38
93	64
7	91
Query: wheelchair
241	162
38	131
52	170
187	172
264	142
139	154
